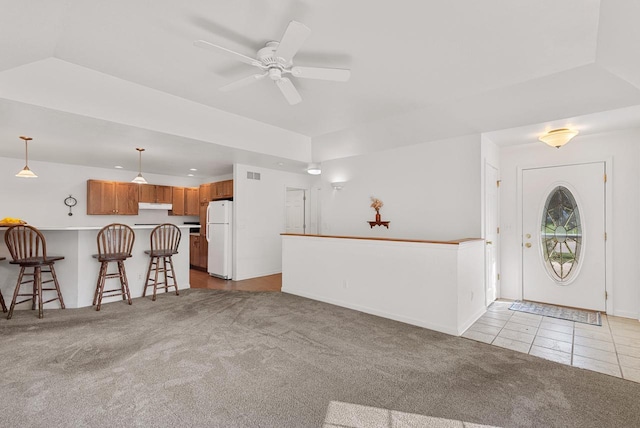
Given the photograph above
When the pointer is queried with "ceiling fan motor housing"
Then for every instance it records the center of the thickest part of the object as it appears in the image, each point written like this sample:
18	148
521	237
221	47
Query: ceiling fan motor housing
275	65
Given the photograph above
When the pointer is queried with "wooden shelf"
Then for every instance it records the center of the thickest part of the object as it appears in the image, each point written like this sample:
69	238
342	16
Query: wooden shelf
379	223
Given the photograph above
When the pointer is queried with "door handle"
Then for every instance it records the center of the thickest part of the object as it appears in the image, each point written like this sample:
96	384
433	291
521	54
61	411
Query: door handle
489	242
528	245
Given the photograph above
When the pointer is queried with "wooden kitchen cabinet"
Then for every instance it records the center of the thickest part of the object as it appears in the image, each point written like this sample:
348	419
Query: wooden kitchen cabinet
194	250
204	253
155	193
178	198
202	212
185	201
198	251
204	192
112	197
204	196
222	190
191	206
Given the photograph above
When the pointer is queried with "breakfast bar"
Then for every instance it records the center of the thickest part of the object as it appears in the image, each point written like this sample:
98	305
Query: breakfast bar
433	284
78	272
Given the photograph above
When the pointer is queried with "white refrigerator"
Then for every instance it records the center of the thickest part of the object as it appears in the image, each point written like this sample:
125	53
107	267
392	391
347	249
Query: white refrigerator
220	238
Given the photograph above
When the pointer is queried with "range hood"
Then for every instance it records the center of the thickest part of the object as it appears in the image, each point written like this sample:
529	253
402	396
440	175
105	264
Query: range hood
154	206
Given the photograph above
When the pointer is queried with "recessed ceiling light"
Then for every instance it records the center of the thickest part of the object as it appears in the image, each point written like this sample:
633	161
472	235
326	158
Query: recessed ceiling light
280	163
192	169
118	167
189	175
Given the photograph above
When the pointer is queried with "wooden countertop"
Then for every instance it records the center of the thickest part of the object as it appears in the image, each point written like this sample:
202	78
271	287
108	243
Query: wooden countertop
366	238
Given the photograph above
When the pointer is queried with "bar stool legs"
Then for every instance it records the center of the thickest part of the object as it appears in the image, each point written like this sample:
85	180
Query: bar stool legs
36	289
103	276
158	265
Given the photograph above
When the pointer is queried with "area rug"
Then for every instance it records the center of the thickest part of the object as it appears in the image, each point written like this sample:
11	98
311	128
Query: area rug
570	314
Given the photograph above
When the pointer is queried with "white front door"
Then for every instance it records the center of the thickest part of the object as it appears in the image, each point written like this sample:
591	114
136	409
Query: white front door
491	233
563	235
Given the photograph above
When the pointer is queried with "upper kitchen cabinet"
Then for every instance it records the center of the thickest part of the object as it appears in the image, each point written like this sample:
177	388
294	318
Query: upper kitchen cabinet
205	192
185	201
155	194
112	197
178	201
222	190
191	201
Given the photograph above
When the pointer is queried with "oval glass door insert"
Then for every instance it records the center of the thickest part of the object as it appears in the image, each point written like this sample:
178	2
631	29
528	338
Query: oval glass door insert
561	234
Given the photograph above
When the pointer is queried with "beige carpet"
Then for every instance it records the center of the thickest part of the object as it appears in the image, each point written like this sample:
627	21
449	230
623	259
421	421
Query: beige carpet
227	359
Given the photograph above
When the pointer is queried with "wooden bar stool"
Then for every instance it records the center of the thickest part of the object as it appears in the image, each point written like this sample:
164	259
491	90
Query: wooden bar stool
115	242
28	248
4	307
164	244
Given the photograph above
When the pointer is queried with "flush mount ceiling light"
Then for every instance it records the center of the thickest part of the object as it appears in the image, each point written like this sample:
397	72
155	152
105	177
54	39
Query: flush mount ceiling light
314	169
26	172
558	137
139	178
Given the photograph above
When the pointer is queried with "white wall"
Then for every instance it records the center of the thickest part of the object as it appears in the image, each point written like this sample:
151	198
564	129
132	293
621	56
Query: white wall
40	201
430	191
623	180
259	217
437	286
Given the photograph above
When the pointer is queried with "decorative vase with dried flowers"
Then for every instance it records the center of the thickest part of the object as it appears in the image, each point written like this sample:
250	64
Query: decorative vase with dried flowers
376	204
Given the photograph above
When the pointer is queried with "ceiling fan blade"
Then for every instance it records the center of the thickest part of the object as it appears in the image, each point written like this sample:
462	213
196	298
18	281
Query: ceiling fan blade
292	39
289	91
228	52
243	82
334	74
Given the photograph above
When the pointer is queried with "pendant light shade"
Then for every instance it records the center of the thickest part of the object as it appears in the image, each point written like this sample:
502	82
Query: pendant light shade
26	172
139	178
558	137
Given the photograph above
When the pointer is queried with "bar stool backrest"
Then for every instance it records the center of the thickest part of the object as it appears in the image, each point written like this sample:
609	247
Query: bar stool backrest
115	238
165	237
25	242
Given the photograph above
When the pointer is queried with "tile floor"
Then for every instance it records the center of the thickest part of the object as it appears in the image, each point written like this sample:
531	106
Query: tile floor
613	348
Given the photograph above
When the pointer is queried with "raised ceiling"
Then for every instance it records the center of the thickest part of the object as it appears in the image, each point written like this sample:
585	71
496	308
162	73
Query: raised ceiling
89	76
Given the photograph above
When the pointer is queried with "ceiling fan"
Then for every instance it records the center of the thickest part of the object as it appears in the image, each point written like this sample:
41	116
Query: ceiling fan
276	61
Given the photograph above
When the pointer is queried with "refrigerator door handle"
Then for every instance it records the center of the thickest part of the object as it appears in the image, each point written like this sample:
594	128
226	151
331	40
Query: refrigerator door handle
207	232
208	209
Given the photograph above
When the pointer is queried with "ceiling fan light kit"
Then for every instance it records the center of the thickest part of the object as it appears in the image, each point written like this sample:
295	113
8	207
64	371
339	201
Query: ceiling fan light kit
275	60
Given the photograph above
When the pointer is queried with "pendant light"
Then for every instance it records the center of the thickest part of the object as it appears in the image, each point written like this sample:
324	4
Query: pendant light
139	178
558	137
26	172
